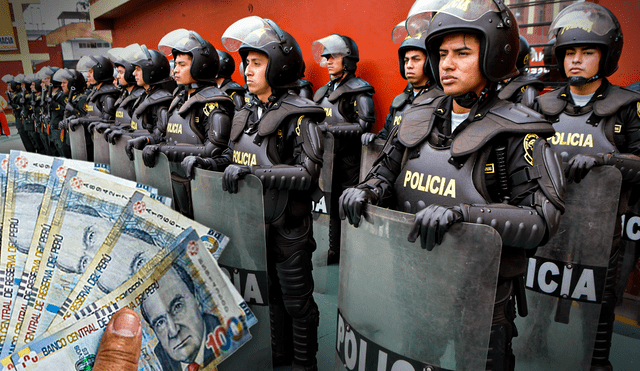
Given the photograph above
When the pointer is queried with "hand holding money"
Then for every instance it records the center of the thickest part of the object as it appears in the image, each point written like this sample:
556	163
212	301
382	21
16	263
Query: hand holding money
120	345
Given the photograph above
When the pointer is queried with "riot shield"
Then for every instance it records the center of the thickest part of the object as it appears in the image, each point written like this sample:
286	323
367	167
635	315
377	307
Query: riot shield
565	279
403	307
241	217
121	166
321	217
369	155
158	176
100	149
78	143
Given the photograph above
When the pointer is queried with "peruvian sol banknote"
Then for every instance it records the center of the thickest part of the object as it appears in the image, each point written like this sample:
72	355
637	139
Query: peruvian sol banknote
59	169
87	210
186	289
145	228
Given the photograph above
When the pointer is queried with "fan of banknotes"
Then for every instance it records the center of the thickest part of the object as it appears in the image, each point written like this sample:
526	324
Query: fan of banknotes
78	244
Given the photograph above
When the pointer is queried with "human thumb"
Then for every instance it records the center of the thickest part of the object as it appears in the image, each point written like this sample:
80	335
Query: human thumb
119	348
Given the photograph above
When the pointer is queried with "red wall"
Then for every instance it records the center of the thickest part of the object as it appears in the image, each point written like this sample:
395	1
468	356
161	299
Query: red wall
628	14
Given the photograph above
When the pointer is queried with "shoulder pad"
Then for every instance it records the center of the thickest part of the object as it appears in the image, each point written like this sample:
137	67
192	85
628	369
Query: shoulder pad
518	83
617	97
291	105
417	121
301	83
550	104
352	86
233	87
428	96
400	100
156	98
239	122
317	97
504	118
207	95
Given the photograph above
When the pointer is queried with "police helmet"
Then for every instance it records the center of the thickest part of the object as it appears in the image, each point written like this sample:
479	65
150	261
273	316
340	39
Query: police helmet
154	65
336	44
204	58
588	24
490	20
227	64
265	36
407	43
101	66
75	79
116	55
8	79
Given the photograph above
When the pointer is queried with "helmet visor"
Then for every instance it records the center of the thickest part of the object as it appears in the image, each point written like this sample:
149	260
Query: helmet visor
135	54
399	33
62	74
116	55
423	10
250	31
7	78
589	17
182	40
46	71
330	45
19	79
86	63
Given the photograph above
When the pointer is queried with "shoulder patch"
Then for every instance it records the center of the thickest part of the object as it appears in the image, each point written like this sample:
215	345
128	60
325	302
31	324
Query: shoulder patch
528	142
209	107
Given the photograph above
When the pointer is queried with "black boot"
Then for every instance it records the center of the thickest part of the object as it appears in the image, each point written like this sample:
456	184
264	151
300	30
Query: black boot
281	340
333	255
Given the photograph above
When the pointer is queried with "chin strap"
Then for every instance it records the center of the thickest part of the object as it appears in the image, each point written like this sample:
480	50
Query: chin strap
581	81
469	99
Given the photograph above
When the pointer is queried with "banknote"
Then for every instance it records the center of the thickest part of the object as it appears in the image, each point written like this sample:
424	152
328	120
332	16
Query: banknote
52	192
87	210
4	167
142	230
27	177
186	292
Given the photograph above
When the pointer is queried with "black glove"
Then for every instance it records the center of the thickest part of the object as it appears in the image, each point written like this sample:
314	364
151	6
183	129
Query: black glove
92	126
351	203
367	138
231	175
63	124
111	135
579	166
73	122
432	223
149	154
190	162
137	143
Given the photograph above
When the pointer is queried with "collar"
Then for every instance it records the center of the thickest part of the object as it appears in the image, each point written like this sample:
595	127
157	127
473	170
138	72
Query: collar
602	92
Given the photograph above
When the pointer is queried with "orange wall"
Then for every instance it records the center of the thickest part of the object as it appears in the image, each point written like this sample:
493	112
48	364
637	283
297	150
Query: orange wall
369	23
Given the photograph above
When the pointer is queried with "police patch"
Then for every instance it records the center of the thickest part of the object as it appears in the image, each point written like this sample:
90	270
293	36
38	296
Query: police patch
528	143
489	169
617	128
638	109
209	107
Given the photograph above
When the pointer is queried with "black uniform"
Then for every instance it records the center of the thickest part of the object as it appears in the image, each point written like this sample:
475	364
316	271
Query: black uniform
101	106
521	89
235	91
56	109
402	102
75	107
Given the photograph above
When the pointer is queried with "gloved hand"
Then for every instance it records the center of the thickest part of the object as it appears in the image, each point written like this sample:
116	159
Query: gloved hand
73	122
367	138
432	223
63	124
92	126
580	165
351	203
137	143
111	135
231	175
149	154
190	162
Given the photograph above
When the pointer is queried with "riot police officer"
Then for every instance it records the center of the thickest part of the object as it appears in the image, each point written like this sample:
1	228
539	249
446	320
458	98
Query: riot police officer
481	144
224	81
46	73
414	66
348	102
37	103
523	88
29	112
72	83
17	104
275	138
600	111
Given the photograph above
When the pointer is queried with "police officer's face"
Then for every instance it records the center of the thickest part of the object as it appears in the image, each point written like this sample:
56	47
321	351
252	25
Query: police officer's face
90	79
65	84
175	317
582	61
120	78
414	61
33	86
45	82
182	70
256	73
459	65
334	64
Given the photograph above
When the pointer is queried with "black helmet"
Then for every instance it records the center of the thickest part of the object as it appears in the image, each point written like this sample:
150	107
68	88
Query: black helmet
116	55
524	55
407	43
265	36
101	66
155	66
588	24
75	79
337	44
491	20
204	59
28	80
36	80
227	64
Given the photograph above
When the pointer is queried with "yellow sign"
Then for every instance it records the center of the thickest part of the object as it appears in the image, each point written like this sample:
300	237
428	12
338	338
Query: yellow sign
7	39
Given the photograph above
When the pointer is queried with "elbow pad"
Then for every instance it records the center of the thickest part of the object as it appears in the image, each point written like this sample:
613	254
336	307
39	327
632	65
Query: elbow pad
628	164
365	108
219	129
283	177
312	140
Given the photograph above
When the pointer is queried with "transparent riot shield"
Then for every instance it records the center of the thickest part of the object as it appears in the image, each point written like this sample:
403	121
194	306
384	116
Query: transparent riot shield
241	217
100	149
121	166
78	143
321	217
401	307
158	176
369	155
565	279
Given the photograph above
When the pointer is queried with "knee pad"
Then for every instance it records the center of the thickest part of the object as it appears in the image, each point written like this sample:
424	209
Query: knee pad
296	283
